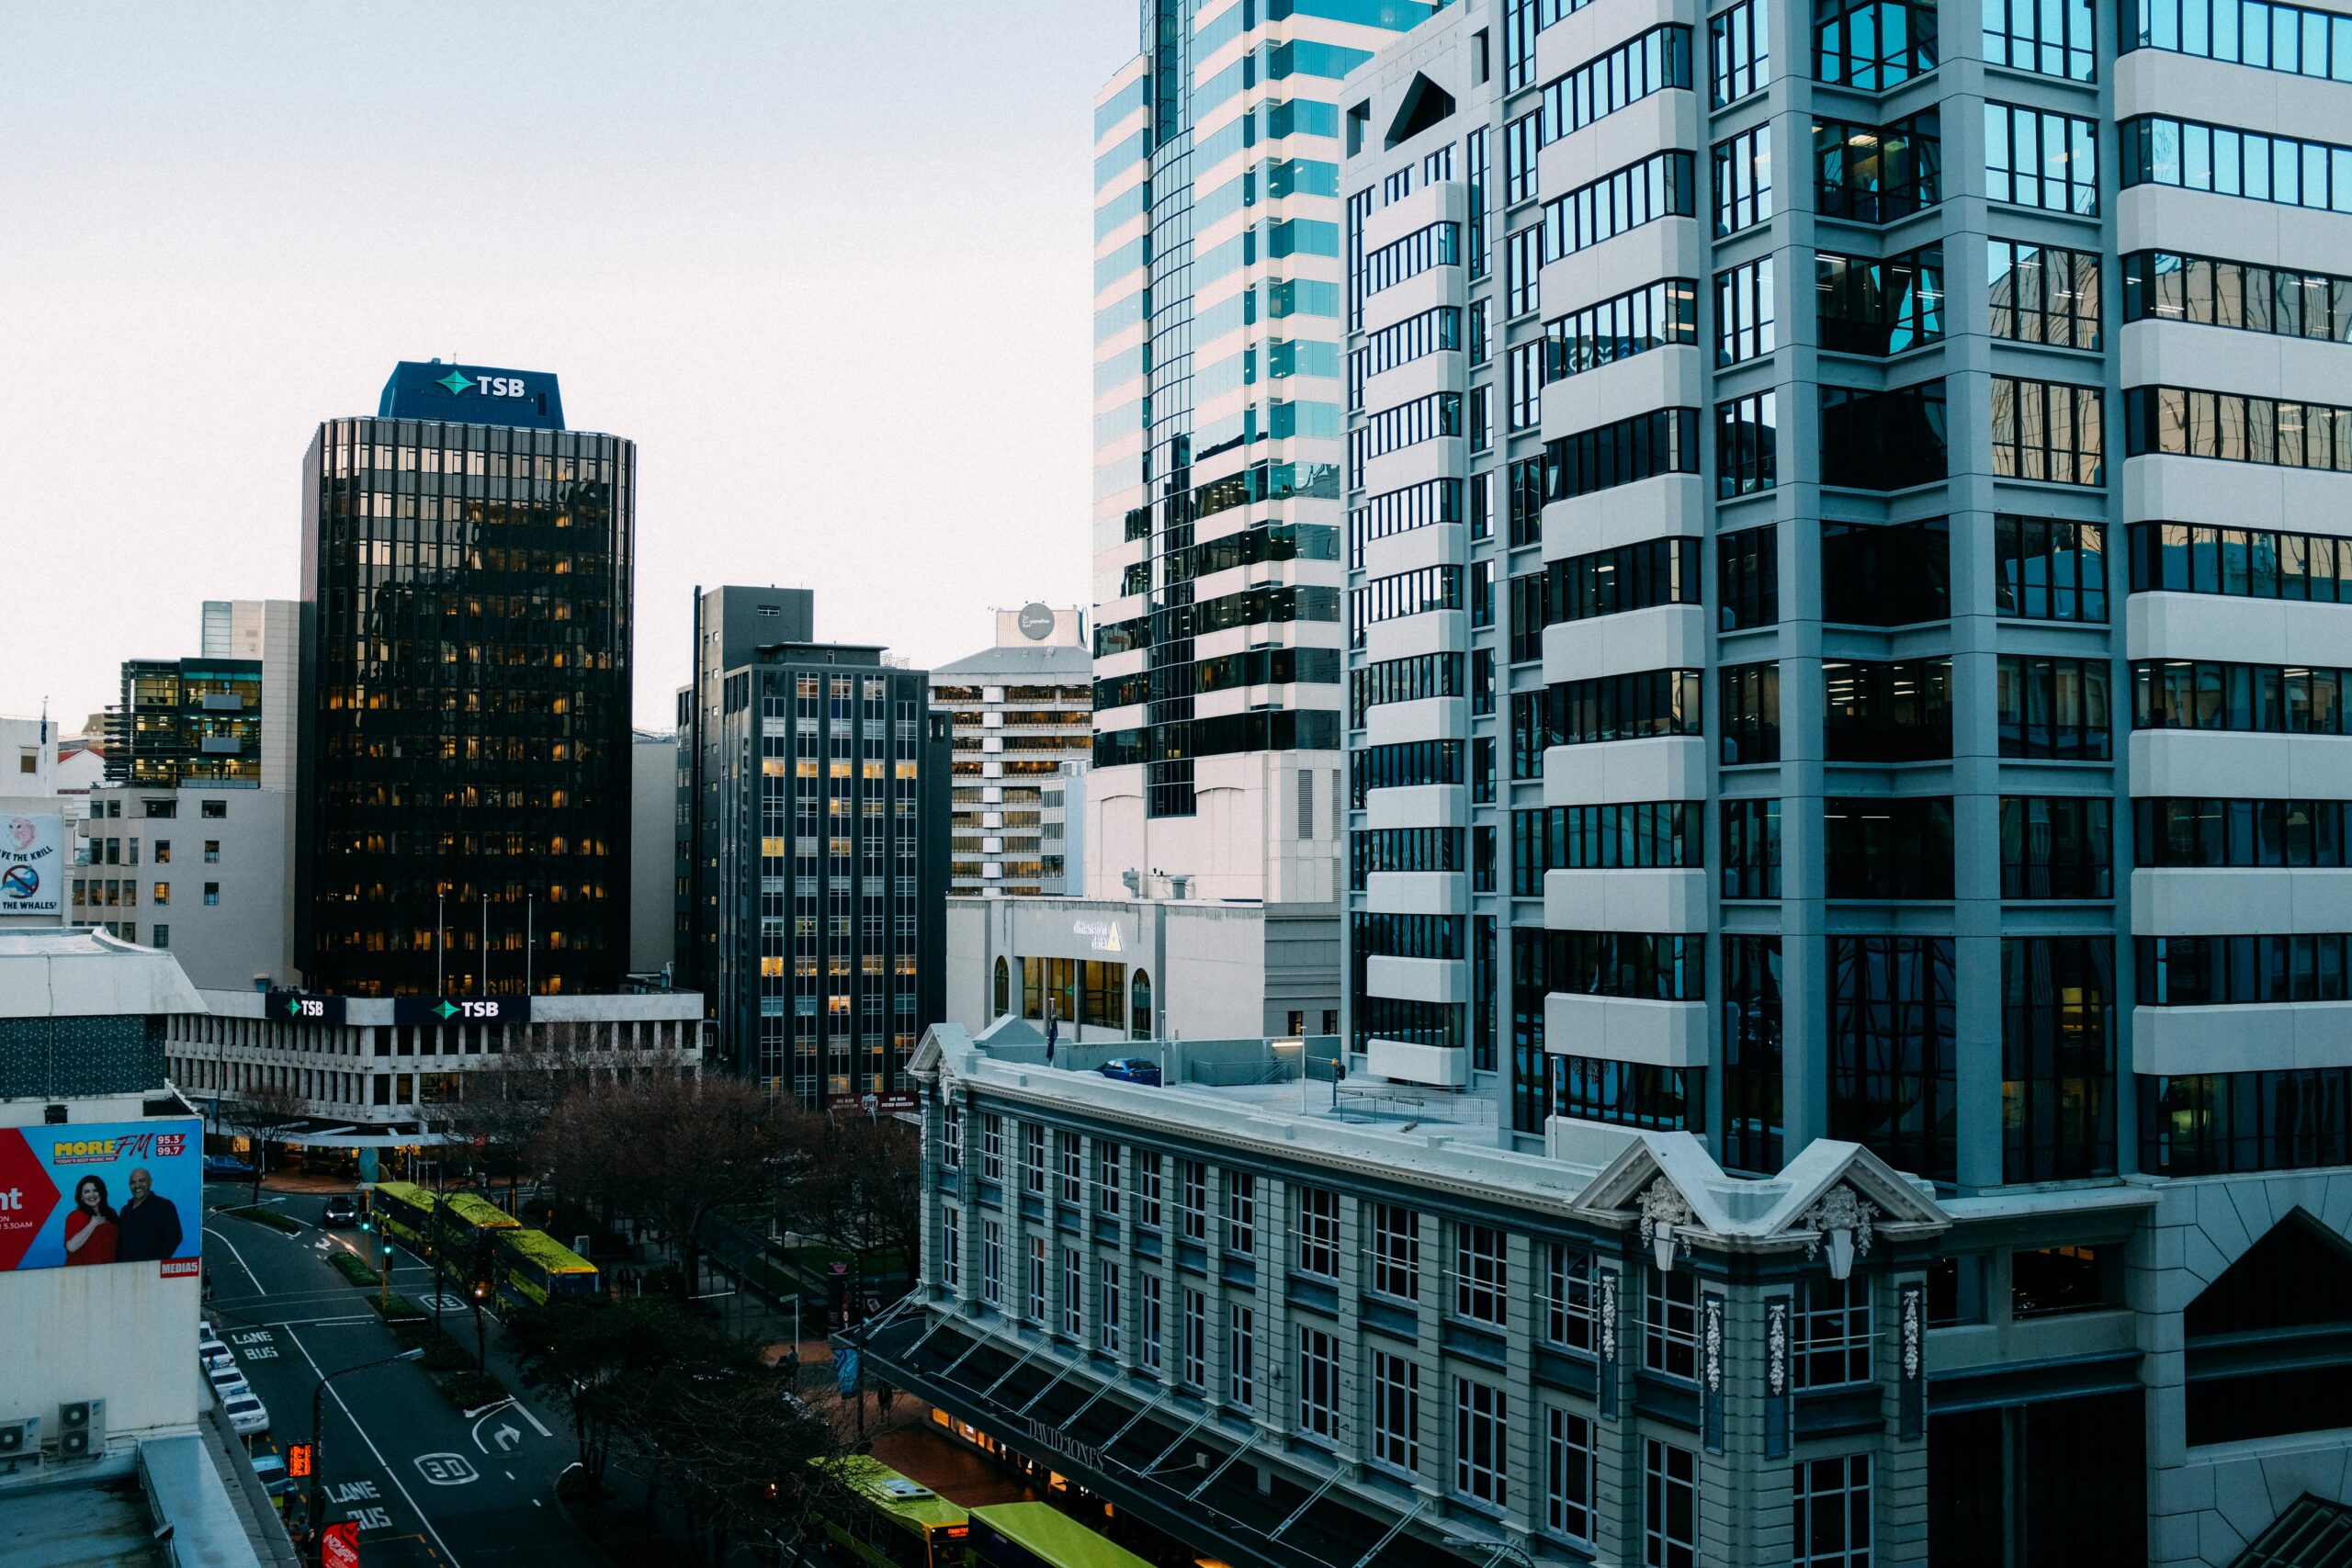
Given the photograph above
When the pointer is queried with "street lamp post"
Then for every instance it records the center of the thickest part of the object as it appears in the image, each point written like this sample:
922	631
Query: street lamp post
318	1419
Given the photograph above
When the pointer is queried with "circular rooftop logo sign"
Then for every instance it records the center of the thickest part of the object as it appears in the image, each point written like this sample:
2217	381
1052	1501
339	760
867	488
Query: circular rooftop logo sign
1036	622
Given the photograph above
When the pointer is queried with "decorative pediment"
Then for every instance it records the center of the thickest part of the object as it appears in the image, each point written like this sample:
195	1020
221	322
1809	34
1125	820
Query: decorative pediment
1834	1194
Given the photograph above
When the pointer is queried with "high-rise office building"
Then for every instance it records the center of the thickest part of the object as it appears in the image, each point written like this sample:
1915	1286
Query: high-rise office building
813	849
189	844
464	819
1020	712
1844	594
1218	423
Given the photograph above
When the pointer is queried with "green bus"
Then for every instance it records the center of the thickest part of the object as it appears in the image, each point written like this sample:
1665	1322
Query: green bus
532	1266
405	1213
882	1519
1038	1534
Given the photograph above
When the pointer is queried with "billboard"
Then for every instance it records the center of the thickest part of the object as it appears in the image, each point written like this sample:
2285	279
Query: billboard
91	1192
32	865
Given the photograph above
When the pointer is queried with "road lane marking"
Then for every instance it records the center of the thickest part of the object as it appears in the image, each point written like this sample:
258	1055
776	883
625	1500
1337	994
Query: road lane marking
447	1469
235	1254
533	1420
347	1415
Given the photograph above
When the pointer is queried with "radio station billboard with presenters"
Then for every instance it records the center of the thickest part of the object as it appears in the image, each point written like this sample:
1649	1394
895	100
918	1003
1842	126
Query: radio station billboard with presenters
32	864
80	1194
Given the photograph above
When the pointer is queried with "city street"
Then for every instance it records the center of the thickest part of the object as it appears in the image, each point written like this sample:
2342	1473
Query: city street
427	1484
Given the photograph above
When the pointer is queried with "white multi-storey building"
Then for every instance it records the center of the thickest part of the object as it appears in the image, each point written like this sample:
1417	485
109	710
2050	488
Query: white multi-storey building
1021	712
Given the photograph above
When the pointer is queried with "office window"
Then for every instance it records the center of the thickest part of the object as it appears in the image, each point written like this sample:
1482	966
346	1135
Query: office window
1110	1316
1152	1335
212	892
1739	51
1648	62
1482	419
2050	36
1570	1475
1746	457
951	1248
2191	832
1319	1232
2212	1123
1748	578
213	809
1396	1251
2224	161
2166	286
1519	159
2242	971
1481	1439
2042	294
2273	37
1194	1364
2192	423
1477	166
1481	1273
1752	1053
1395	1411
1663	185
1887	712
1751	700
1482	771
1872	45
1877	174
1073	1167
1525	377
162	937
2056	847
1038	1281
1522	266
951	1138
2057	1057
2047	430
1240	1354
1073	1293
1437	244
1318	1383
1192	1199
2052	707
1669	1506
212	849
1892	1069
992	1149
1240	1211
1882	441
991	1262
2050	569
1743	166
1744	312
1888	847
1886	574
1570	1315
1106	1178
1670	1321
1636	706
161	893
1033	1159
1833	1331
162	849
1627	835
1880	306
1635	323
1832	1499
1752	849
2035	158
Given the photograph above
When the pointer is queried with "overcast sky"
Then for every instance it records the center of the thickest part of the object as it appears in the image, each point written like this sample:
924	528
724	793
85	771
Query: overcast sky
829	264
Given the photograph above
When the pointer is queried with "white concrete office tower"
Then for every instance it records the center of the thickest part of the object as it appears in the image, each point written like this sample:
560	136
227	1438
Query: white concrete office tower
1849	602
1020	710
188	845
1218	511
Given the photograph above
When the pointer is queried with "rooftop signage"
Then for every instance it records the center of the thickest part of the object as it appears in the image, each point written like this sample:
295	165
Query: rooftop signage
472	394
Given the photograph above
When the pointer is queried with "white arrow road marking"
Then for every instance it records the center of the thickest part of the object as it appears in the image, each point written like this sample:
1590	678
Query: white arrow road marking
507	1435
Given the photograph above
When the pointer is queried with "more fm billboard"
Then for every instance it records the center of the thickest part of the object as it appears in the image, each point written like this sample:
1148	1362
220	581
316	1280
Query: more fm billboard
79	1194
32	865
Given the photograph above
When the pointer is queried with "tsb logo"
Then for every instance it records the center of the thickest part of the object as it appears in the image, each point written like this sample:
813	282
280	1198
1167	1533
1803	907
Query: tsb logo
502	386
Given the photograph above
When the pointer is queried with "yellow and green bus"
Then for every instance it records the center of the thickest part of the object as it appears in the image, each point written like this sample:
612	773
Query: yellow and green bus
533	1267
884	1520
1038	1534
405	1213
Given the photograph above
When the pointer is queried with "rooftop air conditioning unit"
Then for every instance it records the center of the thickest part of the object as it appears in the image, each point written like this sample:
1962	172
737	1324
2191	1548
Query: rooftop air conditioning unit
19	1439
82	1429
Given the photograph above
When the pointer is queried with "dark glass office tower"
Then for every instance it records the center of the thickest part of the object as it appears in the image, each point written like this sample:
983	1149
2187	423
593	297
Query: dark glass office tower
814	802
466	564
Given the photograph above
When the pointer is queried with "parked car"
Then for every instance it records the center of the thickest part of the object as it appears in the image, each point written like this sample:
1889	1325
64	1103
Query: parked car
1131	1069
248	1417
204	1330
342	1209
271	1470
211	1353
223	1165
228	1379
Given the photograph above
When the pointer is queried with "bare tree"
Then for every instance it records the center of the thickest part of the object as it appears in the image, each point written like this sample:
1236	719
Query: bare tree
263	1113
501	1109
669	1147
853	1181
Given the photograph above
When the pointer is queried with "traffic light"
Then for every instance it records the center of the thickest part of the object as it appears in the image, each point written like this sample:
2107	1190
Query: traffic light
297	1460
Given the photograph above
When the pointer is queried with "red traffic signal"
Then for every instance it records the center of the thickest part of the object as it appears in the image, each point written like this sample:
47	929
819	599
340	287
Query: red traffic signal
297	1458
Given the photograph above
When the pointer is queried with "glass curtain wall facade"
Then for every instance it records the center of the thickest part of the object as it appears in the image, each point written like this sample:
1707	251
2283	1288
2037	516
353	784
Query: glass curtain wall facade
1784	521
465	719
1217	430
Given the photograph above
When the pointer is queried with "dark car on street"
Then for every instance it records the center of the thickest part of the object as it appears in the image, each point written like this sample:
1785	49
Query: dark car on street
1132	1069
342	1209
